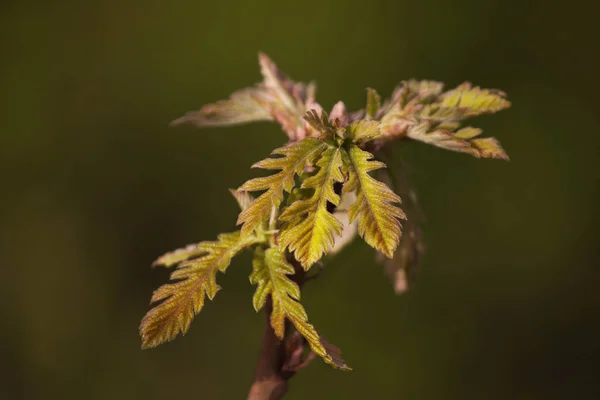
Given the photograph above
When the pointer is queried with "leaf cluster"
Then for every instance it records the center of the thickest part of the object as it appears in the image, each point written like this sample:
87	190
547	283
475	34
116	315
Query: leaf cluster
321	192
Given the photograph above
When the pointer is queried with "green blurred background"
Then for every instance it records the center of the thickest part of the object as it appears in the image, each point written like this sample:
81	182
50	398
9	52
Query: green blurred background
96	185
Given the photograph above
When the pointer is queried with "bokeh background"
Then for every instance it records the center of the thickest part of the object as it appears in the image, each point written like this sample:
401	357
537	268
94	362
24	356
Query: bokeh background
95	185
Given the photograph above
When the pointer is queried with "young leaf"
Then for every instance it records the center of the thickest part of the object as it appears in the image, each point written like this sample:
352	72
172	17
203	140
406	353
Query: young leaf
489	148
176	256
470	101
277	98
294	160
373	103
183	299
378	220
439	138
245	105
320	123
314	231
362	131
270	270
459	141
419	111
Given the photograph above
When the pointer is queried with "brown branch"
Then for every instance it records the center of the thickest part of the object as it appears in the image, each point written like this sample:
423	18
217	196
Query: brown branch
279	360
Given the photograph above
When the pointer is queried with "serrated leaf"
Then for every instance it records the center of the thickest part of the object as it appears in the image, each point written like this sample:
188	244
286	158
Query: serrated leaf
270	272
362	131
294	160
182	300
474	100
320	123
489	148
440	138
245	105
459	141
373	103
176	256
277	98
314	231
418	110
378	217
425	90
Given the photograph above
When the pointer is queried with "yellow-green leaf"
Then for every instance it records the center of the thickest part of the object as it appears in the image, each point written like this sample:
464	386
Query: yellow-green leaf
378	222
489	148
294	160
373	103
474	100
362	131
182	300
466	133
270	272
314	231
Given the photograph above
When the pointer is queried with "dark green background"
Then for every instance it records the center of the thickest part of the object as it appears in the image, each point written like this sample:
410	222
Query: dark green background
95	185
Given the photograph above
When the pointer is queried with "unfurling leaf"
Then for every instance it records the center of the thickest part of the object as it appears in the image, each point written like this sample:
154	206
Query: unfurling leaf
420	111
362	131
270	272
377	216
311	229
489	148
470	101
277	98
319	123
246	105
183	299
459	141
294	160
176	256
373	103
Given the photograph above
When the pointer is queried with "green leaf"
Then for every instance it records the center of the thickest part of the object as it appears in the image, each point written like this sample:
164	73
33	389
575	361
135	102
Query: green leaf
314	231
373	103
420	111
489	148
473	101
270	272
183	299
467	133
362	131
295	158
378	222
424	90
